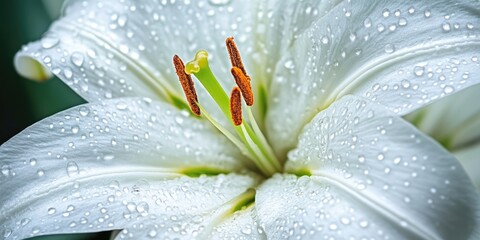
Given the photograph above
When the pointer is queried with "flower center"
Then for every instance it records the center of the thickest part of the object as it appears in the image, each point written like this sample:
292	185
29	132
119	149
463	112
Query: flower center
243	132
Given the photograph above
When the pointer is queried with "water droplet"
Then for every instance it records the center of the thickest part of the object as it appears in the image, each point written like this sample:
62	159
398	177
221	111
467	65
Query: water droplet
75	129
33	162
418	70
333	226
353	36
121	106
367	22
51	211
40	172
5	170
389	48
122	20
345	220
152	233
427	13
72	168
24	221
108	157
448	89
49	41
446	27
289	64
363	223
219	2
77	59
325	40
402	22
386	13
84	111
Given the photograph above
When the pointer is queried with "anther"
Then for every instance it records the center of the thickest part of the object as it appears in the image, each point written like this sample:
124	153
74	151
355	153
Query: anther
236	106
234	54
243	82
187	85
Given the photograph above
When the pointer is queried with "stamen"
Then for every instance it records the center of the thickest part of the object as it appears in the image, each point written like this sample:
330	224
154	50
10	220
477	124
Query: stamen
234	54
243	82
187	85
236	106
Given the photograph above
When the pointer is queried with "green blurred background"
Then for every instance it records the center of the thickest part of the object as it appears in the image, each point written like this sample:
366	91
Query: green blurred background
24	102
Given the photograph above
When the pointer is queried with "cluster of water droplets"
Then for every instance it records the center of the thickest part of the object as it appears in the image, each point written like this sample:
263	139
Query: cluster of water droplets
352	146
401	57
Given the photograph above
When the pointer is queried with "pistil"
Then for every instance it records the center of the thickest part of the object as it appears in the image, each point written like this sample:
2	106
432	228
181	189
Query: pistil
247	135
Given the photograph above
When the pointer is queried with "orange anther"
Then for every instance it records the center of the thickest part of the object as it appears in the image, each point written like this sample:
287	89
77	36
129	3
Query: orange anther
187	85
243	82
236	106
234	54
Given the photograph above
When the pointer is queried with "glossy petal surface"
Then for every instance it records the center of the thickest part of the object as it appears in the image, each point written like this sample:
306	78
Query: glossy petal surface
90	155
364	153
401	54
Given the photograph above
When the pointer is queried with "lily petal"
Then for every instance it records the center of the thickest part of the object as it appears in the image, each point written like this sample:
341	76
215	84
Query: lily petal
367	157
241	225
279	24
84	155
470	159
316	208
401	54
454	121
124	48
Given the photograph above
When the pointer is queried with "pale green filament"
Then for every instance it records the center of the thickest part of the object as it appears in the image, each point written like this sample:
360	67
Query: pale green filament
249	139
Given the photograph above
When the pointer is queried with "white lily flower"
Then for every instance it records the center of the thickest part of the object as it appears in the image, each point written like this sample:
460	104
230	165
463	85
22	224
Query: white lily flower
331	82
455	122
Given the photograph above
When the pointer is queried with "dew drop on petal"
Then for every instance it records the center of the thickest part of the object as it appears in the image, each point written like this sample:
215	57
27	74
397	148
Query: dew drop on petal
448	89
389	48
84	111
418	70
219	2
77	59
121	106
152	233
363	223
33	162
72	168
51	211
49	42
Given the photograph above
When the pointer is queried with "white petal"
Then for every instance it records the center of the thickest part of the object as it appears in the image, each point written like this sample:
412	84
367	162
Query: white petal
401	54
240	225
76	154
317	208
115	49
454	121
278	25
470	159
109	202
378	159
